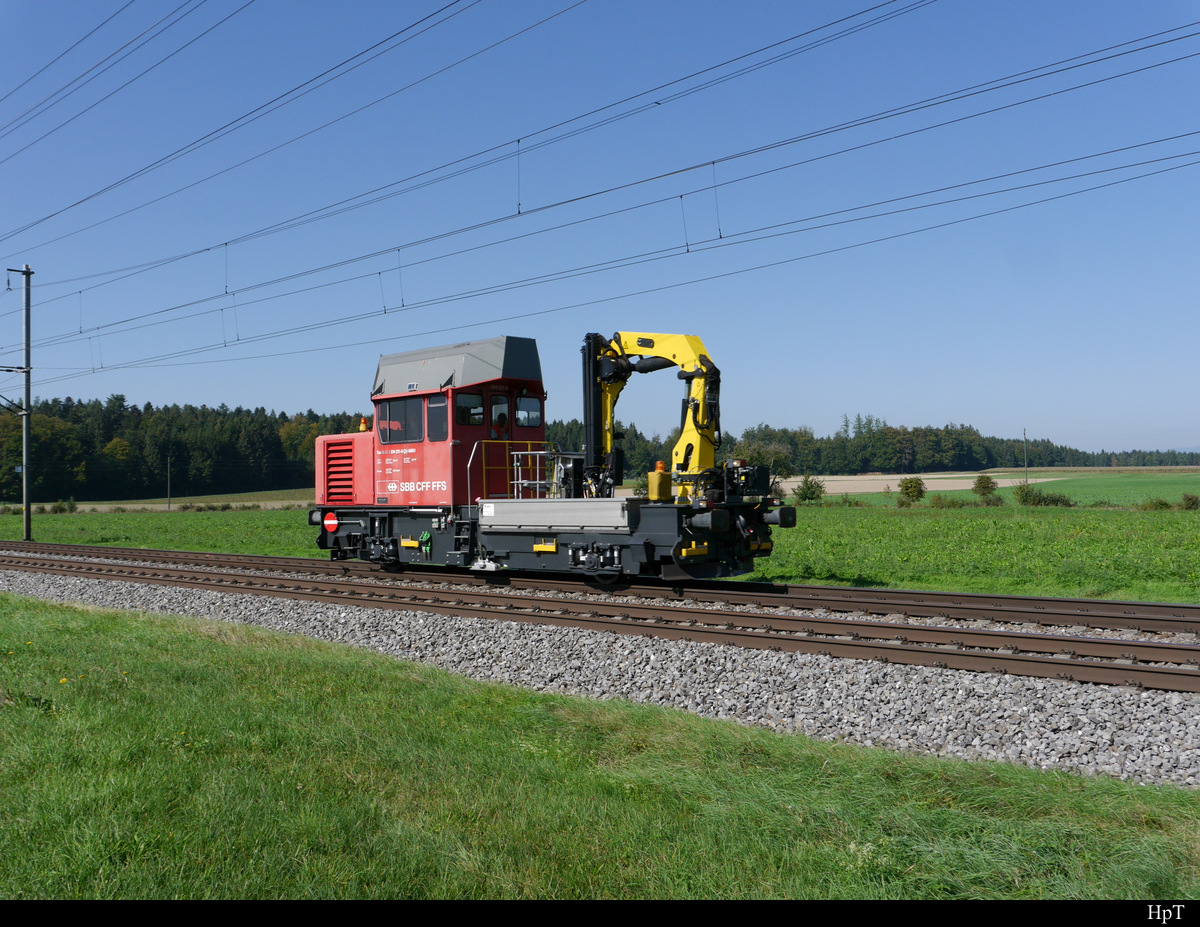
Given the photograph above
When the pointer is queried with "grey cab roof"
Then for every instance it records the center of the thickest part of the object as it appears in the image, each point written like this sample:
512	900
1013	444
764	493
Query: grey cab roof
506	357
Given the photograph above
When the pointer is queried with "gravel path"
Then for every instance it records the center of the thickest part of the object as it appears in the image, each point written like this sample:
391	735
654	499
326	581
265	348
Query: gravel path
1148	737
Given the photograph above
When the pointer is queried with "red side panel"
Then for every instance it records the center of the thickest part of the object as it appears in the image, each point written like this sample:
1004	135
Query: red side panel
413	474
344	469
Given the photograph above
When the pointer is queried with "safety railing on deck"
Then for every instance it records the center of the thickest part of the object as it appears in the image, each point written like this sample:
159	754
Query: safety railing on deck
512	469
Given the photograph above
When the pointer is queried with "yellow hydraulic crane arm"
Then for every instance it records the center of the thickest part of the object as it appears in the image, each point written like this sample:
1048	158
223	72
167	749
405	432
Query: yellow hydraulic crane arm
608	364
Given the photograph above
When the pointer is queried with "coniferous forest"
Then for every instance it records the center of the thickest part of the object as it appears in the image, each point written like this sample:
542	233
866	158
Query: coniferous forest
112	450
93	449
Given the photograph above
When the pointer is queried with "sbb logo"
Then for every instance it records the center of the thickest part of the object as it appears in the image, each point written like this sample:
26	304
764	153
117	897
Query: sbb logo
422	486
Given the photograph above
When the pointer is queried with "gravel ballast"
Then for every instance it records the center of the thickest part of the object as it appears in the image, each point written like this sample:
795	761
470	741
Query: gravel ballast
1144	736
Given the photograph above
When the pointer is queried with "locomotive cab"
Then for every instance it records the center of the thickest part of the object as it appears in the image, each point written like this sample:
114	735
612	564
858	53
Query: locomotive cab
447	424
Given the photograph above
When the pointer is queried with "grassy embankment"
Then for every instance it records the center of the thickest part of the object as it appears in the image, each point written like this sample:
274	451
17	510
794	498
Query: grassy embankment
159	757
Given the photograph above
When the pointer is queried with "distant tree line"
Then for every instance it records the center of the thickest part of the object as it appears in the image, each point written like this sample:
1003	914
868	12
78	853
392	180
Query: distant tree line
112	450
866	444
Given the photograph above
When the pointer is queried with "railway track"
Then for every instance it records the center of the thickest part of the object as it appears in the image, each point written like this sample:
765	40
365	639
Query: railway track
1165	654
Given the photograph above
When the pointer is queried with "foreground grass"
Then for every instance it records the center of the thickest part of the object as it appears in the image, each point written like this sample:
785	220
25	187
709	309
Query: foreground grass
159	757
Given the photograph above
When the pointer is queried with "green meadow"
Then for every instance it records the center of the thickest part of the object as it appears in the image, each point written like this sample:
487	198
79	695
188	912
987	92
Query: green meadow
1113	554
1095	488
272	532
1110	544
144	756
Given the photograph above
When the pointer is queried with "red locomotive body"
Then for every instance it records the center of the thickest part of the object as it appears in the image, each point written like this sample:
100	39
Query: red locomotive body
456	471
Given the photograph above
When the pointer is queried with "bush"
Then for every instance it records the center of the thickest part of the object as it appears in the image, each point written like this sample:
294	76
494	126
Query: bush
912	488
1028	494
810	489
904	503
1154	505
984	486
1190	503
992	500
938	501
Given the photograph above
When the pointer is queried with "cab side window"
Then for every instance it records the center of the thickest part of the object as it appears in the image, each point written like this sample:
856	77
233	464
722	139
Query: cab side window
401	420
529	412
468	409
438	421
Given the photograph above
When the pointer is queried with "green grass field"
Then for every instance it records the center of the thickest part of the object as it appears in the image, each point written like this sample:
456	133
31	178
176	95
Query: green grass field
1100	488
1124	488
1097	552
292	496
154	757
283	532
1148	556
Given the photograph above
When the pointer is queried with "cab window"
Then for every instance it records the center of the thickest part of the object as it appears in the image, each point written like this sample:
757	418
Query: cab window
468	409
529	412
401	420
438	420
500	429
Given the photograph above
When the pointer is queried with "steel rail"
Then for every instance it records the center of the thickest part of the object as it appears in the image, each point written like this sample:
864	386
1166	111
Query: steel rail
887	642
1060	612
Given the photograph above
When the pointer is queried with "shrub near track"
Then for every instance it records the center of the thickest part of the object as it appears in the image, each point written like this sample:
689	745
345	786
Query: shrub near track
152	757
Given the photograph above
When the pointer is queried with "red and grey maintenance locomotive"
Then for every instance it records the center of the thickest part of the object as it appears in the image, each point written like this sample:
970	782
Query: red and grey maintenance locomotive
457	470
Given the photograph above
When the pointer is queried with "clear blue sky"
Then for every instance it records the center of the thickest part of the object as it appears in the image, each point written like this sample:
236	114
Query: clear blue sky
712	168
